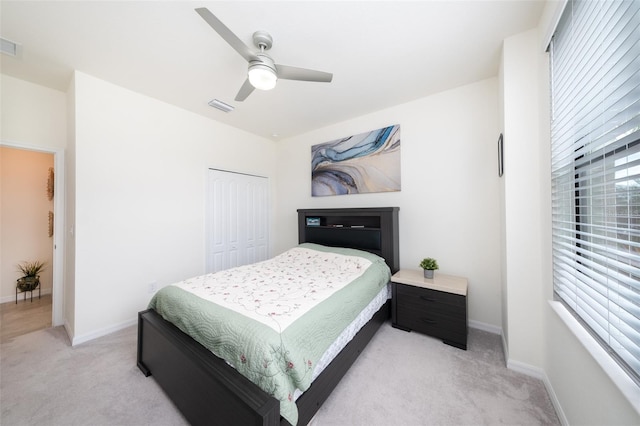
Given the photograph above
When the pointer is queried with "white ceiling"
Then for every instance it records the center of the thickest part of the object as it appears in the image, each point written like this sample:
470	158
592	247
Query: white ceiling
381	53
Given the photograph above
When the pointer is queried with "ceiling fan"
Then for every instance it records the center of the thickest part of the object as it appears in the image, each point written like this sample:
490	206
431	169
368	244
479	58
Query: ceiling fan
263	71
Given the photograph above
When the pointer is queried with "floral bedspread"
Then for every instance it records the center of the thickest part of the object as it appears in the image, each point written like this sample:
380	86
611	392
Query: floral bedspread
278	291
273	327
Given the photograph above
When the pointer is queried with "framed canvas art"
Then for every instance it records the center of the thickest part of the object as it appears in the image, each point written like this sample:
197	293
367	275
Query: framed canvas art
363	163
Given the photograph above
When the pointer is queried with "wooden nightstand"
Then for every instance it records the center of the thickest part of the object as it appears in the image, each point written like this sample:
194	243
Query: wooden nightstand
437	307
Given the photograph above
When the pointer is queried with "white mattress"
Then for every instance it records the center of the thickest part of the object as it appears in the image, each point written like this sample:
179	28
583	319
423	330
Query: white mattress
349	332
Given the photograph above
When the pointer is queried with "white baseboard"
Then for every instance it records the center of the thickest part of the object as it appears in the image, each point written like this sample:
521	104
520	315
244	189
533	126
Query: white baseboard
67	328
485	327
526	369
12	298
555	401
537	373
76	340
505	346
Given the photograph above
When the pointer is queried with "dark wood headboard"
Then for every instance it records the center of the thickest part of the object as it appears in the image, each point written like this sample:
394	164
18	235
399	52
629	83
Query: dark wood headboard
373	229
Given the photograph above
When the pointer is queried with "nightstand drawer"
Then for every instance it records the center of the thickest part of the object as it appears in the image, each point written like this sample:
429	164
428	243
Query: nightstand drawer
416	298
430	322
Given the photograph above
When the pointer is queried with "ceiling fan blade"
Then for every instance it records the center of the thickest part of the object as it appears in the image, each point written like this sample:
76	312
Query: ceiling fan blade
244	91
226	34
294	73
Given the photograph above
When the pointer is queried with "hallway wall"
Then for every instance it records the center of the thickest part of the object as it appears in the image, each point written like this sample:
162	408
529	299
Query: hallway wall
24	216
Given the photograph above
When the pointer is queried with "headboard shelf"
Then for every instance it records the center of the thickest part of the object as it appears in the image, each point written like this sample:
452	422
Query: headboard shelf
352	227
374	229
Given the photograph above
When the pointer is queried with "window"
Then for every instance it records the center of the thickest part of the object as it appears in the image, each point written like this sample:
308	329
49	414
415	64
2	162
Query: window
595	143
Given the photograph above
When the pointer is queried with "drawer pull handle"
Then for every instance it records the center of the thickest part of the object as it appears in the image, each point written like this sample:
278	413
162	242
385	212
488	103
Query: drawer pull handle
428	321
428	299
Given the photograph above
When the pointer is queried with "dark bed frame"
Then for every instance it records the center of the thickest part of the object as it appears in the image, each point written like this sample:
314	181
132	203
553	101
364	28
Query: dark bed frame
208	391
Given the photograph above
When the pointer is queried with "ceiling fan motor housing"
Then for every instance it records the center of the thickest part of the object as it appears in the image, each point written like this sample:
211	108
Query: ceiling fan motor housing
262	72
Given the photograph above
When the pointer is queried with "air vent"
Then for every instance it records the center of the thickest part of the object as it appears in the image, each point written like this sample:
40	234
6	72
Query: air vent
221	105
9	48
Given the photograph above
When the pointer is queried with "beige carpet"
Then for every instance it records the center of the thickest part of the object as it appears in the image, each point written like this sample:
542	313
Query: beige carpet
412	379
400	379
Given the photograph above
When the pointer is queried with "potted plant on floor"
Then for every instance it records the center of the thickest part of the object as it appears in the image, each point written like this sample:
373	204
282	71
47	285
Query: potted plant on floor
429	265
30	275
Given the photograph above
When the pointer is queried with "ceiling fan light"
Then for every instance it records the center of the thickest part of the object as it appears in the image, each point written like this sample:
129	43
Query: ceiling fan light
262	77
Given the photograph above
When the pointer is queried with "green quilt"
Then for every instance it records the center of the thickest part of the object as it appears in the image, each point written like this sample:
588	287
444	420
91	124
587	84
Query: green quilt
279	363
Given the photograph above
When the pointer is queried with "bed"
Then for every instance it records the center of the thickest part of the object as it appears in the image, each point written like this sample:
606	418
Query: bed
207	390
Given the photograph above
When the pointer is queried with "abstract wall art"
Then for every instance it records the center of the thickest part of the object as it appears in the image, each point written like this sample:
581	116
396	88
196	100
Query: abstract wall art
363	163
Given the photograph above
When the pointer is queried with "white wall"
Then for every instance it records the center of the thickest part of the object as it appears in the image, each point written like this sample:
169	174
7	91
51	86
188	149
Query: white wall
523	204
140	175
449	198
539	341
34	117
70	215
32	114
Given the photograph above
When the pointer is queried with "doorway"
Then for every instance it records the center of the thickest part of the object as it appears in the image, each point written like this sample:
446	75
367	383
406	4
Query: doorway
32	229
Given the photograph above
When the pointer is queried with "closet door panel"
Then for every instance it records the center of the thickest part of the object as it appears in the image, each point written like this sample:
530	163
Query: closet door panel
217	249
237	222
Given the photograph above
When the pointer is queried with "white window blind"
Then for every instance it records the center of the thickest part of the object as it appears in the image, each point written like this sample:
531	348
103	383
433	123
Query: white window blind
595	138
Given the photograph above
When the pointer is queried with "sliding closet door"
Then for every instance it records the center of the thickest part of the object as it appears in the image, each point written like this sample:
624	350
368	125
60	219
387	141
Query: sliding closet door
237	220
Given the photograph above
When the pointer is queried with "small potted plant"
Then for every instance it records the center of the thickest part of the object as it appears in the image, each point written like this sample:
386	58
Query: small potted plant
429	265
30	274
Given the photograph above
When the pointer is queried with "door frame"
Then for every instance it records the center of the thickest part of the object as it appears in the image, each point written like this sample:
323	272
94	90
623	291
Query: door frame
59	213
